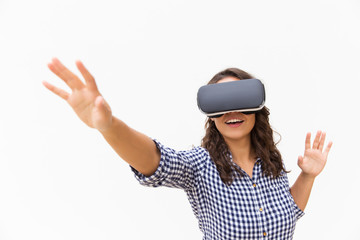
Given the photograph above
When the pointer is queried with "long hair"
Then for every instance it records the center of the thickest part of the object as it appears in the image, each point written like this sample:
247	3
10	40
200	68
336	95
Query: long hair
262	140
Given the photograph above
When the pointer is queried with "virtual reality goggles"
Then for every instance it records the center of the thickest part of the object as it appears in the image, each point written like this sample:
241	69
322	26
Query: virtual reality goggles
246	96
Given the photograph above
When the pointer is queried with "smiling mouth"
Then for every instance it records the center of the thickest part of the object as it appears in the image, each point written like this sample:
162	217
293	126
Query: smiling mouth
234	122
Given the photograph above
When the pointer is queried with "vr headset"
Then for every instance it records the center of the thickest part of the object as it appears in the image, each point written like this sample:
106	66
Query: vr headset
246	96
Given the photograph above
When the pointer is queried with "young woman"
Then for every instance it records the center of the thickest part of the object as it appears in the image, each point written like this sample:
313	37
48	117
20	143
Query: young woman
236	182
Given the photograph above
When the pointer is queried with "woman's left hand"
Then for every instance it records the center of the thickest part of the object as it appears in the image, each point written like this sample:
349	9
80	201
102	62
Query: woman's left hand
314	159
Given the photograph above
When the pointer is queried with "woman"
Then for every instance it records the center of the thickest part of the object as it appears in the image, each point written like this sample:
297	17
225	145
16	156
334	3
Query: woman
236	182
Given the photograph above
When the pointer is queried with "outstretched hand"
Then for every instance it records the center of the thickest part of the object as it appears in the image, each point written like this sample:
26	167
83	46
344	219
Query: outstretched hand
314	159
85	99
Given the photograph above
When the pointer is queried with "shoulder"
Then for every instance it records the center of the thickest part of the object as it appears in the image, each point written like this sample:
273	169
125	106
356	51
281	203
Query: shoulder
197	155
195	152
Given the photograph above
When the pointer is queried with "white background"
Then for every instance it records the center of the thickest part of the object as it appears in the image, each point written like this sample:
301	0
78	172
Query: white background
60	180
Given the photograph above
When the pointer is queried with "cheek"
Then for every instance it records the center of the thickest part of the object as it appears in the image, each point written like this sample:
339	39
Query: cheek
251	122
218	124
252	119
215	120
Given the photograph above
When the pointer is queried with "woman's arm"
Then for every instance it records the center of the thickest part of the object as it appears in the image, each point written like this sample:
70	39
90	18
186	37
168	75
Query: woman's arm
134	147
311	164
85	99
301	190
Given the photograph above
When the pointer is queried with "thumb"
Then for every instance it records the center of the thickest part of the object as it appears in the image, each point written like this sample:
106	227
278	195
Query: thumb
101	104
300	160
101	117
99	101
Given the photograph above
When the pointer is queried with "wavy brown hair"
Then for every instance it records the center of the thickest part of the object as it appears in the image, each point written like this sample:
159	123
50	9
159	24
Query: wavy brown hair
262	140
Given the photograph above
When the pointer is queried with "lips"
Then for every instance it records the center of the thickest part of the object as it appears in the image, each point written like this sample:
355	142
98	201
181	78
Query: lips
234	122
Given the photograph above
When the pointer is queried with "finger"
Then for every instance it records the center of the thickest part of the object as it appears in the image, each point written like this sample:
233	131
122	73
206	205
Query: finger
322	141
328	147
65	74
89	79
308	141
316	140
61	93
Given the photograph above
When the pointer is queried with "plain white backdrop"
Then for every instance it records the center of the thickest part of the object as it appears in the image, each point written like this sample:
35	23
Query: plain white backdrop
60	180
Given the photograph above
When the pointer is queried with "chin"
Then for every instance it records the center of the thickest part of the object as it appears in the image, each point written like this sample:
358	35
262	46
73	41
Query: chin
236	136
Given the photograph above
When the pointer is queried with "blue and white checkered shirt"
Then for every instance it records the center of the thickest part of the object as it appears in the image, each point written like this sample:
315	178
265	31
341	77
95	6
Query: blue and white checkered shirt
250	208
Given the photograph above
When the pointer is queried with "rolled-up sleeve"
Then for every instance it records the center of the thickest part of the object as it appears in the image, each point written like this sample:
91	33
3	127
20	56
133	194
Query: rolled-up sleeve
176	169
298	212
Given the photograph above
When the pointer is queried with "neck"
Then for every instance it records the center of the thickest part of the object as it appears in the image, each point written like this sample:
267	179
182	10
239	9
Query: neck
241	150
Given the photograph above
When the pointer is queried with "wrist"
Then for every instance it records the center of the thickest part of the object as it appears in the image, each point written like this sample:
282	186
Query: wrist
307	176
109	129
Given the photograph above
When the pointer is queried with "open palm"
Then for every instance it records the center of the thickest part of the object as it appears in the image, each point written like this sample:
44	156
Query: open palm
314	159
85	99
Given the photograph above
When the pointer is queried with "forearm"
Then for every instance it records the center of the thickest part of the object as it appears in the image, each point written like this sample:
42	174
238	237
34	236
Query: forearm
132	146
301	190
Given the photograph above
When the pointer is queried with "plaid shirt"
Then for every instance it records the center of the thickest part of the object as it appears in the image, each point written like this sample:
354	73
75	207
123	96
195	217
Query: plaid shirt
250	208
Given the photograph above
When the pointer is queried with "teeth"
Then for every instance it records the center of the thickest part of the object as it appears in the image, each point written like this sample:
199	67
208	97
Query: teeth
235	121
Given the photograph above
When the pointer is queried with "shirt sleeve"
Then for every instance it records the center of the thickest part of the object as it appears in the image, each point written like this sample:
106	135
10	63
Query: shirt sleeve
297	211
176	169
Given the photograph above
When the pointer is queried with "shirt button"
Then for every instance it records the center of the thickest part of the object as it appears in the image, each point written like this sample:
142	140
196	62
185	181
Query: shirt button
261	209
254	185
265	234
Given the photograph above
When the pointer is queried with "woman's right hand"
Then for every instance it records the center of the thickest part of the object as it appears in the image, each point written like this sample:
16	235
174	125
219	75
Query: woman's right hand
85	99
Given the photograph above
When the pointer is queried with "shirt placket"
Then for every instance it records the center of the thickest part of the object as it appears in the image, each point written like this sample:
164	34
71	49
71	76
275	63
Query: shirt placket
258	202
